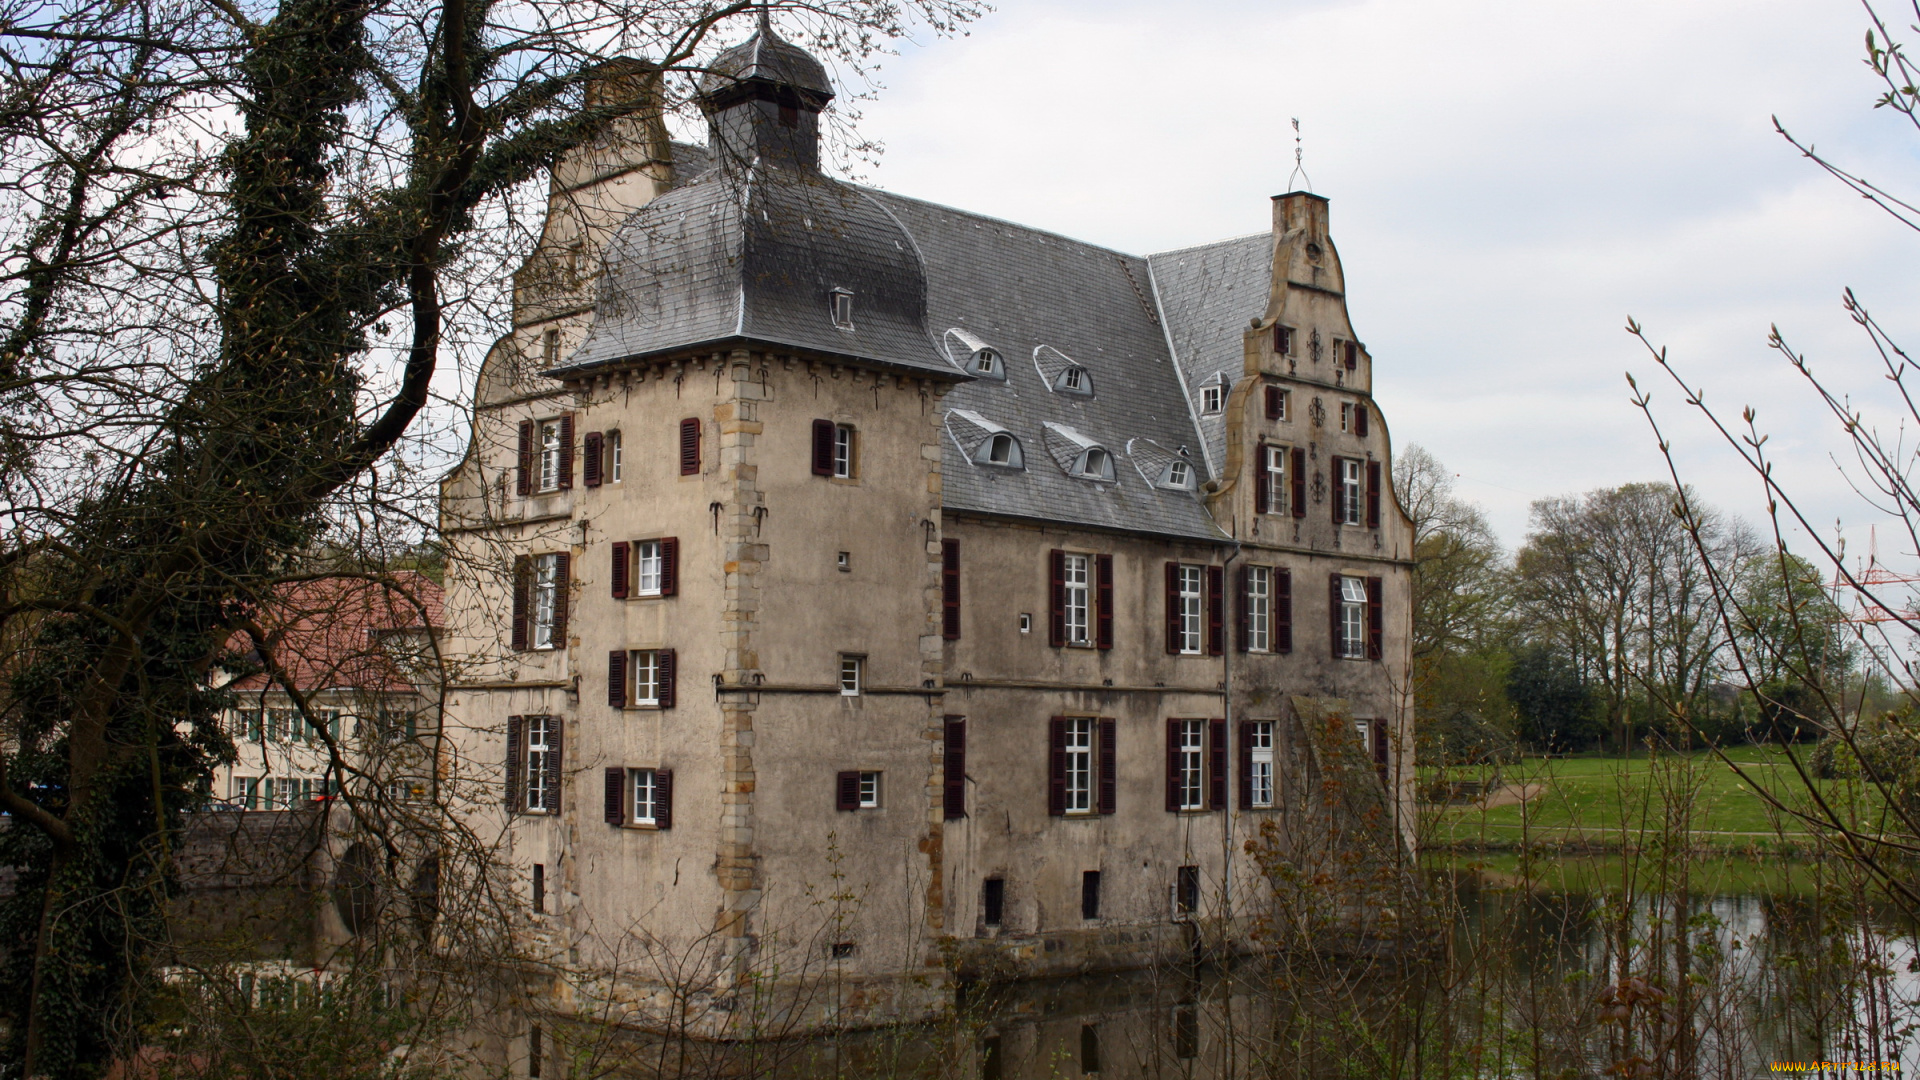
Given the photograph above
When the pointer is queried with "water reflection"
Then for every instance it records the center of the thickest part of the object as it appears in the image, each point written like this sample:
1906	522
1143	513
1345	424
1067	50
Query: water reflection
1528	984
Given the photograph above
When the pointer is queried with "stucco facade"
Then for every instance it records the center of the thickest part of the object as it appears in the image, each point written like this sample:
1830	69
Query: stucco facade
923	681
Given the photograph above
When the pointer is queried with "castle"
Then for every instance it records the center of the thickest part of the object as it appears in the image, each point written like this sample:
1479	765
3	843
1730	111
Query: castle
909	589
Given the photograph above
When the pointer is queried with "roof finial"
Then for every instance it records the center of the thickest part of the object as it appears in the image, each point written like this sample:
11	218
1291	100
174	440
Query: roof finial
1299	162
766	25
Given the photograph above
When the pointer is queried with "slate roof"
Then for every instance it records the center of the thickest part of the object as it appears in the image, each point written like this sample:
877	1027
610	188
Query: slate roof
766	58
1207	295
755	257
1022	291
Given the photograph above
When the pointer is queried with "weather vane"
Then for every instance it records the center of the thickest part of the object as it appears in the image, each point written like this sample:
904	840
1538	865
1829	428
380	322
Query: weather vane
1299	160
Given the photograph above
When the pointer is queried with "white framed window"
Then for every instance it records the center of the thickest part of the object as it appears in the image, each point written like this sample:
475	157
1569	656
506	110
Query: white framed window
246	792
644	806
1075	581
279	725
852	672
1346	416
1213	398
1192	757
843	309
985	362
1079	765
549	455
1192	609
549	348
1365	728
1260	763
649	561
1350	490
869	796
843	451
1279	497
1180	475
1282	399
546	597
1259	608
615	464
1074	379
1096	464
1353	619
539	753
644	664
1026	623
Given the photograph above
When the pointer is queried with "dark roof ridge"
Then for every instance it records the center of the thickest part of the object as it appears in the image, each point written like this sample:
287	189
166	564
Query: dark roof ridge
1090	245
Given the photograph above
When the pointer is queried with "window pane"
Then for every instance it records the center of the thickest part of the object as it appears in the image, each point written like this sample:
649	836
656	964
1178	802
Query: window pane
1190	608
1079	765
1192	751
849	676
646	677
1258	581
549	456
1076	598
643	797
650	567
546	571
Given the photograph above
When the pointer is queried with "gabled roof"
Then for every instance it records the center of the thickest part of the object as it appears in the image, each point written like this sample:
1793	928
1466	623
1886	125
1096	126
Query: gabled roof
1018	289
335	633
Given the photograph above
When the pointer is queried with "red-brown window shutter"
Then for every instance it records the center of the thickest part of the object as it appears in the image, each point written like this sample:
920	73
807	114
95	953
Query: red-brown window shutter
1282	610
663	798
1262	487
617	678
665	659
1108	751
515	762
1333	612
950	589
670	566
553	772
560	579
1353	355
1375	594
1057	598
1282	340
1216	610
1360	419
1240	609
1173	608
1337	490
566	451
954	770
1173	766
523	483
823	448
1298	474
690	446
1216	764
1373	494
1103	601
616	796
846	791
522	585
622	563
592	451
1246	764
1057	766
1273	402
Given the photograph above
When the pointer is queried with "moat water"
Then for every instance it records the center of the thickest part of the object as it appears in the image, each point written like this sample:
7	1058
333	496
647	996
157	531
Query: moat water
1526	981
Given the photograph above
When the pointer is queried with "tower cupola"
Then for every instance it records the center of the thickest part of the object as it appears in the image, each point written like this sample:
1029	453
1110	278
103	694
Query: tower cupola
763	99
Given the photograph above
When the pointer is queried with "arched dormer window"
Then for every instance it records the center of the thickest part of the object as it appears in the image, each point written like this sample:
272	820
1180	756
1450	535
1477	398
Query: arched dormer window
974	356
1095	464
1163	468
1000	449
1075	380
1179	476
984	441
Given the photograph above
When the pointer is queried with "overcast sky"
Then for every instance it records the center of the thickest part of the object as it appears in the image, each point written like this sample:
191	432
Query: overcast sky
1509	181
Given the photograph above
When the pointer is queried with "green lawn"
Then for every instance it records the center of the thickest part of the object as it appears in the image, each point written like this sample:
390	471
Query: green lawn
1597	799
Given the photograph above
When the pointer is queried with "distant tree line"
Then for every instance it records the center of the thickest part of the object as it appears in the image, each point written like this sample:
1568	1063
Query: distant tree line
1607	625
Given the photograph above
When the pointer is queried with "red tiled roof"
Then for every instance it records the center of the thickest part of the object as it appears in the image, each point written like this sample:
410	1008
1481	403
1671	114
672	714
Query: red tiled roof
327	633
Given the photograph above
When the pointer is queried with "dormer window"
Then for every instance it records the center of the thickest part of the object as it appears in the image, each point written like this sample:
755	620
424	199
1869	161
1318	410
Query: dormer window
1095	464
987	364
1179	475
973	356
1213	398
1075	380
842	308
1002	449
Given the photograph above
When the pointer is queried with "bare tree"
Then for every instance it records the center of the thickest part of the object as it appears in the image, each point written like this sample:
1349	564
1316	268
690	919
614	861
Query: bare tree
240	243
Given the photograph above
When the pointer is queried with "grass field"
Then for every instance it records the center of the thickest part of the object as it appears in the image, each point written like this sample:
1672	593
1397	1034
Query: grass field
1607	800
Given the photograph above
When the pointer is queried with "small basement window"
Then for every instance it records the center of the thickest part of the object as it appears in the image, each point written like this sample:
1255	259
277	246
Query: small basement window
842	300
